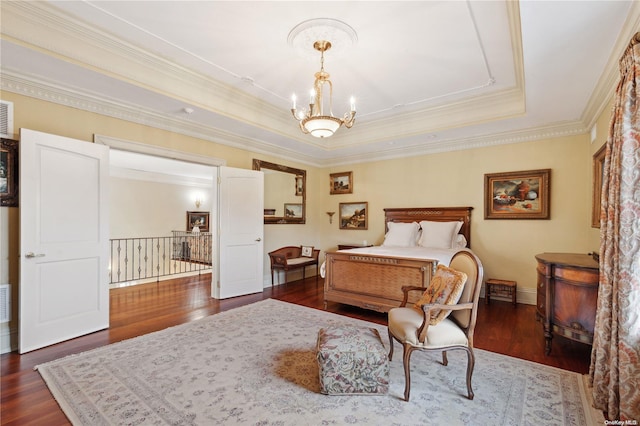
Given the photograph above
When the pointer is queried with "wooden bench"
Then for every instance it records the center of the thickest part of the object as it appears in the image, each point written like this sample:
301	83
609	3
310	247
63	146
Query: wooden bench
290	258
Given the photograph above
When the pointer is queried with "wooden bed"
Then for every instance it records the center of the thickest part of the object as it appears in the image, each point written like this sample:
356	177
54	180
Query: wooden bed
374	282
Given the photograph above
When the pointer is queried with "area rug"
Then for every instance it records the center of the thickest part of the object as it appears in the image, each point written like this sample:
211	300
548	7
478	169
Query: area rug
256	365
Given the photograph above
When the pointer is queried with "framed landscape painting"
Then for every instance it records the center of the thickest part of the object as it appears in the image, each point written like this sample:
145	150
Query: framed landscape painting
341	183
354	215
517	195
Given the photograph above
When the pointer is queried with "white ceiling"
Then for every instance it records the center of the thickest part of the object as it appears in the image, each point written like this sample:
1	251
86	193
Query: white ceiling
428	76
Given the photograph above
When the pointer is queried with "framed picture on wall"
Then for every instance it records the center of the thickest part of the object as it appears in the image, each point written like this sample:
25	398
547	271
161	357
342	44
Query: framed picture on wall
354	215
8	173
199	219
341	183
598	172
517	195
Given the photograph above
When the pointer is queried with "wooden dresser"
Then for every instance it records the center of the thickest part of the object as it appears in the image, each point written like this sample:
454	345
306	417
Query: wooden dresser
567	295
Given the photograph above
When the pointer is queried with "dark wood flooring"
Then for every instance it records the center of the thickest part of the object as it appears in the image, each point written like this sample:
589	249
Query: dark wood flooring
145	308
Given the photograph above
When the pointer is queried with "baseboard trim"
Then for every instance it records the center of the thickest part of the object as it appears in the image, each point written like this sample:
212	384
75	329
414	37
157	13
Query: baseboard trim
526	296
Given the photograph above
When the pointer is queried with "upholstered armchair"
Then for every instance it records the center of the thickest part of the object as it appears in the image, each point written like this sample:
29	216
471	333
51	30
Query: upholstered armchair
413	327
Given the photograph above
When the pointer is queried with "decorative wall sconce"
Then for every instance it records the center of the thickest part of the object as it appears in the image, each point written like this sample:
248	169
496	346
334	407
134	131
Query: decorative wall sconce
198	202
331	216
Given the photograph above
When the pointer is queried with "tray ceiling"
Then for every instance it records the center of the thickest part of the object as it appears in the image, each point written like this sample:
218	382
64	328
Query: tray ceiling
427	76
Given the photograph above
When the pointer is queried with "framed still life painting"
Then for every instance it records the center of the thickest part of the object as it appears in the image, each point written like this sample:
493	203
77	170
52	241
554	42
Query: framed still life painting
517	195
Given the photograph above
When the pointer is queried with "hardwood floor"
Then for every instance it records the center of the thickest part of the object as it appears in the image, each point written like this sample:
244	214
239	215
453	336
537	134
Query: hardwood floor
145	308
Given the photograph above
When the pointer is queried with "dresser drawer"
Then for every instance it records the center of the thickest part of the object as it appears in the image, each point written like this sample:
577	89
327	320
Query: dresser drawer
577	275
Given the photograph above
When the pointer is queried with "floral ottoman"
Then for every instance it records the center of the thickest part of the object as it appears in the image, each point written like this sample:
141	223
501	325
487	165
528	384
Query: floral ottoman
352	360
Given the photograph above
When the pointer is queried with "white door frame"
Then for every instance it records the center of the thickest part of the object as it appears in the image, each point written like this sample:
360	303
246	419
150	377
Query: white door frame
156	151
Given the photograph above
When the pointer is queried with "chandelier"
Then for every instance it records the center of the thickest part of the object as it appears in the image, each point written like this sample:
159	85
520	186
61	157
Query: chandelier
315	121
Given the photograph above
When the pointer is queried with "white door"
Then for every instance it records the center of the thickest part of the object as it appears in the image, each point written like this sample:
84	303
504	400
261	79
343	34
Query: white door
64	288
241	231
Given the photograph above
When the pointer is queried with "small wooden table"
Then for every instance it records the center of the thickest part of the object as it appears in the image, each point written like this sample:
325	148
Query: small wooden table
503	288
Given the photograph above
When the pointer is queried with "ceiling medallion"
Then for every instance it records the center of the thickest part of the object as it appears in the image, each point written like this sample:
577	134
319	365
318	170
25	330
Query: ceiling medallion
305	34
323	32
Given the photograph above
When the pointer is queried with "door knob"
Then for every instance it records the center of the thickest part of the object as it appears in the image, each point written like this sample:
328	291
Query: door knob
258	239
31	255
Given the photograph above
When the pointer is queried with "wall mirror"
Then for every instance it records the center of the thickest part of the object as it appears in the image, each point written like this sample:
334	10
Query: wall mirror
285	192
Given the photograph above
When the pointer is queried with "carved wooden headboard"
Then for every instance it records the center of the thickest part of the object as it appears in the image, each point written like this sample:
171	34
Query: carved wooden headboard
436	214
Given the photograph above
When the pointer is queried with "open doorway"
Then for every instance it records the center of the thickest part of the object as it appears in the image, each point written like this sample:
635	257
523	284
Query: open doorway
237	205
160	218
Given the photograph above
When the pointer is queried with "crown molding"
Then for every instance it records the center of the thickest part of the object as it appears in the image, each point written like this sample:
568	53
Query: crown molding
42	27
606	85
498	105
11	82
447	145
46	91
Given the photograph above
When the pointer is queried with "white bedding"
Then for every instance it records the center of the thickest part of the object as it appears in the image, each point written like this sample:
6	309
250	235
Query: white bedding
441	255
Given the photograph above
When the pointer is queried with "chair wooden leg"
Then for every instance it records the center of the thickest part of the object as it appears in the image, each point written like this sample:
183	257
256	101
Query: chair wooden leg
445	361
406	357
390	344
471	360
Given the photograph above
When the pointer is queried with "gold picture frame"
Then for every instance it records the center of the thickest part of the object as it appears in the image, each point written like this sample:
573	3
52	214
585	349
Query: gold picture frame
354	215
598	173
341	183
517	195
199	219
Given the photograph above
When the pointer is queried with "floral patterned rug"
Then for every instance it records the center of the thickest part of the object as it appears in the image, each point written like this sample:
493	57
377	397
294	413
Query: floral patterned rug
256	365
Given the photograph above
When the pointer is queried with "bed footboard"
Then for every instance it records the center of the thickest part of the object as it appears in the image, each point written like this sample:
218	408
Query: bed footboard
373	282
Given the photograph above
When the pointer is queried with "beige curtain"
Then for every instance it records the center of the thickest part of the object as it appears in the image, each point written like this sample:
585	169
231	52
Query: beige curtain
615	358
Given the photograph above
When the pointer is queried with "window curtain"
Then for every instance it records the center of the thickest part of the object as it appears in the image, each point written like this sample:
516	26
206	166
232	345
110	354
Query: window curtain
615	359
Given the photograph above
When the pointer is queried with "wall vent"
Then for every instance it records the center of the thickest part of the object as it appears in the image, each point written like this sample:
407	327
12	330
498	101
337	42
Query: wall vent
6	119
5	302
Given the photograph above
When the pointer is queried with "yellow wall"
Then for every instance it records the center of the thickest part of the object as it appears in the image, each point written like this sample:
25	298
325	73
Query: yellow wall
506	247
56	119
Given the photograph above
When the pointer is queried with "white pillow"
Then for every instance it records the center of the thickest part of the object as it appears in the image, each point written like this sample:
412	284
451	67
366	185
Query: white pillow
401	234
439	234
460	241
